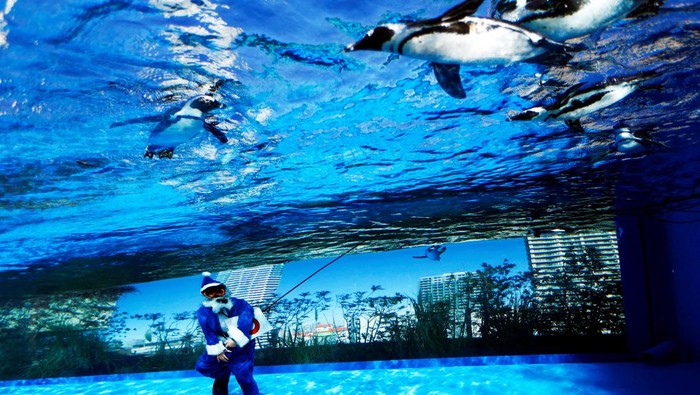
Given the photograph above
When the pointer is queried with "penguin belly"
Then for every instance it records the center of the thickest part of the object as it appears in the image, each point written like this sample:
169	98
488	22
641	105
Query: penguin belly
630	146
483	45
167	137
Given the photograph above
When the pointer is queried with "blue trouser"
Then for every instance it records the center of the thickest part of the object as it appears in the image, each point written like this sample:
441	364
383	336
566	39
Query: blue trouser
240	364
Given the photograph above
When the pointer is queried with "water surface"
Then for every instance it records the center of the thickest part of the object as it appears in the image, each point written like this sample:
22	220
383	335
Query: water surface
326	149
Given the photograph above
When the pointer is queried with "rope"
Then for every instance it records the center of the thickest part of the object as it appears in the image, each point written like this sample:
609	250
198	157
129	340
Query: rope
267	309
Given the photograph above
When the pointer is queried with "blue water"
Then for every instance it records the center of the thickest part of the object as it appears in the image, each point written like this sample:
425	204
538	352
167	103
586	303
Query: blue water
325	148
522	377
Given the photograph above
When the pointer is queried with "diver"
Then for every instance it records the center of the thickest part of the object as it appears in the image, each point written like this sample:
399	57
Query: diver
227	323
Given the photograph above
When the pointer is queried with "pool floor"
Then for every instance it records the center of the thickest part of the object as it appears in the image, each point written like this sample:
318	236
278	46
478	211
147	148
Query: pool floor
558	379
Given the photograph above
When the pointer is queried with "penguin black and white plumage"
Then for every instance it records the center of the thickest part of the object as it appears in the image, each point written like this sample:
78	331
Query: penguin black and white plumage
433	252
633	143
179	125
583	99
457	38
562	20
182	124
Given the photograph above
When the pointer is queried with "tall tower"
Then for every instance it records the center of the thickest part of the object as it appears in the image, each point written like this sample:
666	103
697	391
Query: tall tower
257	285
579	274
458	294
551	250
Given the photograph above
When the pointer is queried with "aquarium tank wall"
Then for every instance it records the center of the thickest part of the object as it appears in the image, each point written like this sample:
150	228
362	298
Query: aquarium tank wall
384	181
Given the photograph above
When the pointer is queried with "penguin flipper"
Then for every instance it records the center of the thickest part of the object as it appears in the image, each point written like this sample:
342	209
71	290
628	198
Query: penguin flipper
461	10
568	93
650	8
211	128
149	119
447	76
659	144
645	137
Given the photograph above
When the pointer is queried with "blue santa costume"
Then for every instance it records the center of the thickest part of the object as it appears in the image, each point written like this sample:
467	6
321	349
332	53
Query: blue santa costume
221	319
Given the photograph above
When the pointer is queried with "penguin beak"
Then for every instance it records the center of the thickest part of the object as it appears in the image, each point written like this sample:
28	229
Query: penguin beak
373	40
366	44
524	116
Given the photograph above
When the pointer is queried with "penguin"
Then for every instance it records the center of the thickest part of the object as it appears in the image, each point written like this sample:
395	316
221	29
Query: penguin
179	125
566	19
456	38
433	252
633	143
583	99
183	124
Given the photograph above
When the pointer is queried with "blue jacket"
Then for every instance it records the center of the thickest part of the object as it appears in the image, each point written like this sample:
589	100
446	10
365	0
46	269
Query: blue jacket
237	320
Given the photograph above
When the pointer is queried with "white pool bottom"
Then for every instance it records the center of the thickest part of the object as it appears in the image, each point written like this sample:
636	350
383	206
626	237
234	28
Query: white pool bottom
556	379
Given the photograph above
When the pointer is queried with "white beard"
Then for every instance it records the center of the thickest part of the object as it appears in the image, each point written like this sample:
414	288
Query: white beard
216	306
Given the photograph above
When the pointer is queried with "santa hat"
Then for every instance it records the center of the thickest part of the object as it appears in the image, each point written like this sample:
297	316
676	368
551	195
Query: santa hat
208	282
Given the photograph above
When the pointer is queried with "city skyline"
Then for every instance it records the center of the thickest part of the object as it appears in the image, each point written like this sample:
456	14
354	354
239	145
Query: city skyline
396	271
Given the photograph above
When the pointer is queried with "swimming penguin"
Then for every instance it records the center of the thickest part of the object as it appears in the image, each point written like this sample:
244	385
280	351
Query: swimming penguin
583	99
566	19
183	124
433	252
633	143
456	38
180	125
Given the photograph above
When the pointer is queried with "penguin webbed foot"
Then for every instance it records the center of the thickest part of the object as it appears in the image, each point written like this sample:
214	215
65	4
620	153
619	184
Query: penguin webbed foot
162	153
651	87
554	58
558	54
575	125
166	153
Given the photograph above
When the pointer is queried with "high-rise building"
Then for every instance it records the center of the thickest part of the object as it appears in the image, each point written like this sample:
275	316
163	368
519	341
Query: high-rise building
257	284
457	293
552	248
580	273
548	253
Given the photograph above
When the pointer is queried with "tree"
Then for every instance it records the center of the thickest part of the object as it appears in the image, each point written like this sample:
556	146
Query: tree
353	306
384	311
290	316
491	285
430	332
505	302
461	305
371	318
585	297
